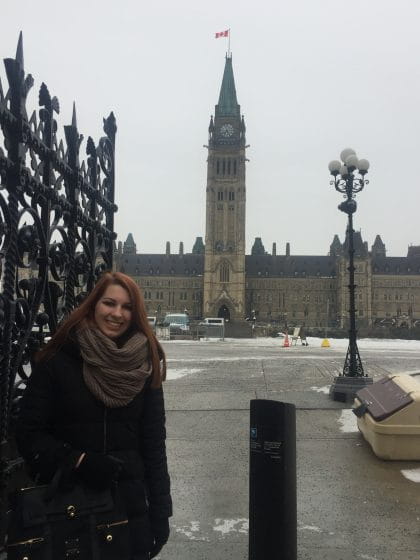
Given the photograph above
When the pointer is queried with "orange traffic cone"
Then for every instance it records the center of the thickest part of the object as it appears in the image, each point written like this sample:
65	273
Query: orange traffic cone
286	342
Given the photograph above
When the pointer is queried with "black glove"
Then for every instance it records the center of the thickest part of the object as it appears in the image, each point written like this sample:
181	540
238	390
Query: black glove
99	471
160	534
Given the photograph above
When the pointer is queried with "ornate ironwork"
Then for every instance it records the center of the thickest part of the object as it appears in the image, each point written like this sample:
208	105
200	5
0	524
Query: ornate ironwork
346	181
56	231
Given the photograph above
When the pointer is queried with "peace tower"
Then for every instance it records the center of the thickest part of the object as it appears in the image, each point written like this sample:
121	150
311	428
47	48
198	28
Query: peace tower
224	261
218	279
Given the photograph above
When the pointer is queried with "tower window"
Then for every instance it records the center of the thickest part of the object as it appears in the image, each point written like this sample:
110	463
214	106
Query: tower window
224	272
228	166
234	166
218	167
220	195
224	167
231	195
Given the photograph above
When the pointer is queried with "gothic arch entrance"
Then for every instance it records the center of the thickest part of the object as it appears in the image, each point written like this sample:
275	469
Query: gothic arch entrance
224	312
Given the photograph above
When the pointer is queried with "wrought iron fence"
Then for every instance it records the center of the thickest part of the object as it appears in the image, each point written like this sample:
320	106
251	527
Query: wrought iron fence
56	232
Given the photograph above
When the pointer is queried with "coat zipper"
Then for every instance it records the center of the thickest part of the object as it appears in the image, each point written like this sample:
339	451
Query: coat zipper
104	431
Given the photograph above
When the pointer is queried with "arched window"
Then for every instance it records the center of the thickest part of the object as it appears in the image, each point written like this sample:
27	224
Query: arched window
224	272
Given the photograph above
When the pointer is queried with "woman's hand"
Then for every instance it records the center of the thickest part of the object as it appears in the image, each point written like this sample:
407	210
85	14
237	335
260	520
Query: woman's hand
160	534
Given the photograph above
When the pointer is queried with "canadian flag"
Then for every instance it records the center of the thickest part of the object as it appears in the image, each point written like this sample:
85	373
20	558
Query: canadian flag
222	34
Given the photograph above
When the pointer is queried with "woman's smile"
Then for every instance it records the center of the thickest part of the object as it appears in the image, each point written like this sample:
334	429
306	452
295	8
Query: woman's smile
113	311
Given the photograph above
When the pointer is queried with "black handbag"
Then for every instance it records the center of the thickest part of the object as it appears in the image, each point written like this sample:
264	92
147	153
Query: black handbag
52	523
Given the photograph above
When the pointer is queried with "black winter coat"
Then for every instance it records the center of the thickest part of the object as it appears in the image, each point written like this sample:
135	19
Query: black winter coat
59	415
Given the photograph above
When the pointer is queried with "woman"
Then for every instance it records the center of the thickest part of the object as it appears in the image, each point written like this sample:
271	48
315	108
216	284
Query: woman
94	405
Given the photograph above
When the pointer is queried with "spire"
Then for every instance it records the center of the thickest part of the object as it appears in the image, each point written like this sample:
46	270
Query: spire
198	248
129	245
19	50
74	119
258	247
228	104
378	248
359	246
336	247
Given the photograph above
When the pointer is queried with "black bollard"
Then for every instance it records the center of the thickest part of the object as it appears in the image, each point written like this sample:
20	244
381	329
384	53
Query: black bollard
272	481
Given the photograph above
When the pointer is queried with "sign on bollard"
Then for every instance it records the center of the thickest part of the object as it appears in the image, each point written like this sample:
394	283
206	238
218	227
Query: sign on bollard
272	481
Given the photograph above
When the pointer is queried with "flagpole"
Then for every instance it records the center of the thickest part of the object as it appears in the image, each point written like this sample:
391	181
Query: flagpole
229	42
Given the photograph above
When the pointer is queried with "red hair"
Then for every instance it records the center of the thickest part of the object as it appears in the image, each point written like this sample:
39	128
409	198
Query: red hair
139	322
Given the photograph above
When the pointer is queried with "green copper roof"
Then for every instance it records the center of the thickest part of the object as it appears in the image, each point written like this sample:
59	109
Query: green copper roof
130	240
228	104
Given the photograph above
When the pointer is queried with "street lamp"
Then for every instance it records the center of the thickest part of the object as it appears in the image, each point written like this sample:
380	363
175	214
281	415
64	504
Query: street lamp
349	179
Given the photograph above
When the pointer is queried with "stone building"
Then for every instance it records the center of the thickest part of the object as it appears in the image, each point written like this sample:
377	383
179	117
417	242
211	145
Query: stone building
218	279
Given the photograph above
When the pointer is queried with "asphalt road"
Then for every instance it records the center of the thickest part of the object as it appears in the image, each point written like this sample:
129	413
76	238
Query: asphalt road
351	505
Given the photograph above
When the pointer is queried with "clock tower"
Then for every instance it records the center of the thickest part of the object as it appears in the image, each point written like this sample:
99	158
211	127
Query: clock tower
224	263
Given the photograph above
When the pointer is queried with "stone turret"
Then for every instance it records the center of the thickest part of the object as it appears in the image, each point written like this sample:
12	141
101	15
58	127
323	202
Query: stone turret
198	248
129	245
258	247
413	251
336	249
378	248
360	248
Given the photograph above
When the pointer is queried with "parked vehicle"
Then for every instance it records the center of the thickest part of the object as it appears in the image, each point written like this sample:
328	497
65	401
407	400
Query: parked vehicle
179	321
152	322
213	321
212	327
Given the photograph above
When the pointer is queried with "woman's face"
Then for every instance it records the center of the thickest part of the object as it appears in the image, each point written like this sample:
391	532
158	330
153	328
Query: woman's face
113	311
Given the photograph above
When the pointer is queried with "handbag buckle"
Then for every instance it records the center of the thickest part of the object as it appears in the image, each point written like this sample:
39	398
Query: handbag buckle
71	511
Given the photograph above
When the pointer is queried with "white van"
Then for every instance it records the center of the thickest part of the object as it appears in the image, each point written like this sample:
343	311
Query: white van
214	321
177	320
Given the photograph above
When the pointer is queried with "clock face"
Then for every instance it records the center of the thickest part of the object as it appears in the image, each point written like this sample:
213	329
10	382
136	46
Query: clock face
226	130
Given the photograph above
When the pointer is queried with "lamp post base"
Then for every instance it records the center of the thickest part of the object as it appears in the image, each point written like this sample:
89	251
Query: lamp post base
344	388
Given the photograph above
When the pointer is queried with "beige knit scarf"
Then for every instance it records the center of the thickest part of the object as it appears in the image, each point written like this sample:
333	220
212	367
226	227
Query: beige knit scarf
114	375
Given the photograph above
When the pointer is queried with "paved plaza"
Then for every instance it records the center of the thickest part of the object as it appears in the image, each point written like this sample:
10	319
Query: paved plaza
351	505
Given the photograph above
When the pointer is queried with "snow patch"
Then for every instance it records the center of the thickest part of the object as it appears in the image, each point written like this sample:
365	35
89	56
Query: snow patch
263	357
226	526
385	344
312	528
348	421
190	531
176	373
325	389
412	474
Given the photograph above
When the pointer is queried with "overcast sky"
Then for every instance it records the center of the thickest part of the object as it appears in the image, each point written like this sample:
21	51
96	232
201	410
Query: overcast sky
312	77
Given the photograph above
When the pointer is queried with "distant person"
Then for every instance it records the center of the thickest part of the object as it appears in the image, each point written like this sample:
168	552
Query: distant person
94	405
302	335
